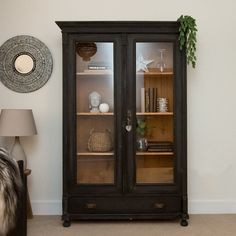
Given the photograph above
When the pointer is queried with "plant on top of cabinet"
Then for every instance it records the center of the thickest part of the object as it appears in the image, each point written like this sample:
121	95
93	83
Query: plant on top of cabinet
187	37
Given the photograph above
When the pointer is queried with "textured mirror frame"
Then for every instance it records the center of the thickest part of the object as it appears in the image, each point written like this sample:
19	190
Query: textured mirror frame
24	45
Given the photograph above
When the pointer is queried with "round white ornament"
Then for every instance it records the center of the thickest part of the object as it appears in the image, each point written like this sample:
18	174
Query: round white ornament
103	107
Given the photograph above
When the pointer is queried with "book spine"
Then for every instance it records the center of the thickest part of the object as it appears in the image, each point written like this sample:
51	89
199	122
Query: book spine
160	150
155	100
151	99
143	100
147	107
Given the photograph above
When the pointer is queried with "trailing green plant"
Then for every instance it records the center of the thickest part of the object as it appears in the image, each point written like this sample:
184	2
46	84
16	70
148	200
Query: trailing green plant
187	38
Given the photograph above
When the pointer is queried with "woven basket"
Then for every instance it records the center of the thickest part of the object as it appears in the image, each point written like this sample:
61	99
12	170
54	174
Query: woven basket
100	141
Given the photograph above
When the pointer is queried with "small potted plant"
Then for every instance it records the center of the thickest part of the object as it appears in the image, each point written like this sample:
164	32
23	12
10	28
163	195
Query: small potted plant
141	131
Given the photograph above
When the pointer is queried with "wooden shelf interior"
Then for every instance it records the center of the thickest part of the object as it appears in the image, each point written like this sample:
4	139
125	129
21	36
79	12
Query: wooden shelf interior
104	54
154	175
160	127
98	168
158	169
95	170
102	85
163	83
159	161
85	125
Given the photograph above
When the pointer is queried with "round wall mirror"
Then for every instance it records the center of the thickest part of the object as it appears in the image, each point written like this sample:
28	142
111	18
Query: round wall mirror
24	64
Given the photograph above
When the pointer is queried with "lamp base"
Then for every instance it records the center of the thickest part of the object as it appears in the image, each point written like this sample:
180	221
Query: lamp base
18	152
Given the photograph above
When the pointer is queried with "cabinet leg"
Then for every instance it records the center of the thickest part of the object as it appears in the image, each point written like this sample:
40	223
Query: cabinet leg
66	221
183	221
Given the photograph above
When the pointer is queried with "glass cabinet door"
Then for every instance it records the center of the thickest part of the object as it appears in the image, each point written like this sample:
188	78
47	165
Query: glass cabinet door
95	112
154	113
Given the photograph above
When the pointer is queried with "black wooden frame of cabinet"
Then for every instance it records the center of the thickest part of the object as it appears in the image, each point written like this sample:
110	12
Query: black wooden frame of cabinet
125	200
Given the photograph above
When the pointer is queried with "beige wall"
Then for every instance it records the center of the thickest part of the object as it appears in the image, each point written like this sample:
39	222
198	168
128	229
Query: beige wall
211	93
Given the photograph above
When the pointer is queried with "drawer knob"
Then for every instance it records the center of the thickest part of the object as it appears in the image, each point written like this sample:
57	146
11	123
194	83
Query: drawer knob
91	205
159	205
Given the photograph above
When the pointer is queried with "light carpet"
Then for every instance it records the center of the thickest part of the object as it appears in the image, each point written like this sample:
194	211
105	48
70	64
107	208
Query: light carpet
199	225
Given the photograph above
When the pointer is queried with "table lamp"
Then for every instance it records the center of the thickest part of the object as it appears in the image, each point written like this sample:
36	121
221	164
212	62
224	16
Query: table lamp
17	122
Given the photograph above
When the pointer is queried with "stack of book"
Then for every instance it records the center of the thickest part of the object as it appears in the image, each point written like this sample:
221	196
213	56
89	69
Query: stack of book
149	99
160	146
98	66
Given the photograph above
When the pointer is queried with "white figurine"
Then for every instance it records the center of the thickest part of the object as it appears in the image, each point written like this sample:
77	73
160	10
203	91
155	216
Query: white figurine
94	101
141	64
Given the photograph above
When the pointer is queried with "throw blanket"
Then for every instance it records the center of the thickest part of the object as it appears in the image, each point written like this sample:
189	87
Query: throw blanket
10	191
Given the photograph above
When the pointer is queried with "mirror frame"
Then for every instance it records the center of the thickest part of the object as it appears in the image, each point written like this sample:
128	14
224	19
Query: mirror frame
41	56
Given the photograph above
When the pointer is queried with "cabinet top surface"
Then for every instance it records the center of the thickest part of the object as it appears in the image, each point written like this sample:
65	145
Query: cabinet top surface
120	26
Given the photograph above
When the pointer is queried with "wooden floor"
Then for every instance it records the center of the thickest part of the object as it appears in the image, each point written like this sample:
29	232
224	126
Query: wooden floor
199	225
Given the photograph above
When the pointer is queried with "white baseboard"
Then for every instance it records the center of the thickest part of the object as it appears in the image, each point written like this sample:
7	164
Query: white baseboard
47	207
195	207
212	206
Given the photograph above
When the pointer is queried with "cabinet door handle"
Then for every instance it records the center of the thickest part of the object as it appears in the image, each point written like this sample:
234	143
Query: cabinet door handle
91	205
159	205
128	126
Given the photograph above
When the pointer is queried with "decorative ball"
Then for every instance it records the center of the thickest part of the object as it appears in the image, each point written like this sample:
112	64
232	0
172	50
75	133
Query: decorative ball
103	107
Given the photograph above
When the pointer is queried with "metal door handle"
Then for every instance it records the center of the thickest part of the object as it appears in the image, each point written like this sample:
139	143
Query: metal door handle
159	205
91	205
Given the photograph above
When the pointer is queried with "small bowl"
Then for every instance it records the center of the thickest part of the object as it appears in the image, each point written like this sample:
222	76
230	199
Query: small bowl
86	50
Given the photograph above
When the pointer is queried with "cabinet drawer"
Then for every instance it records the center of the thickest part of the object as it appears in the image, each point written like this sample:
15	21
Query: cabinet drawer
111	205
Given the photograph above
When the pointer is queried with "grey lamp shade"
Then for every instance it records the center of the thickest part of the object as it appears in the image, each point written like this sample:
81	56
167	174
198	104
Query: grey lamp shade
17	122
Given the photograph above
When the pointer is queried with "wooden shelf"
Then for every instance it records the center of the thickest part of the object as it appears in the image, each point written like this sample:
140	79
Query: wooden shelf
155	71
154	113
138	114
137	153
95	73
95	114
154	153
92	154
152	72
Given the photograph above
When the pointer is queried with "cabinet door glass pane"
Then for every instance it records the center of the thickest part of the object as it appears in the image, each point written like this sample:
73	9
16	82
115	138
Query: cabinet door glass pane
95	113
154	113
